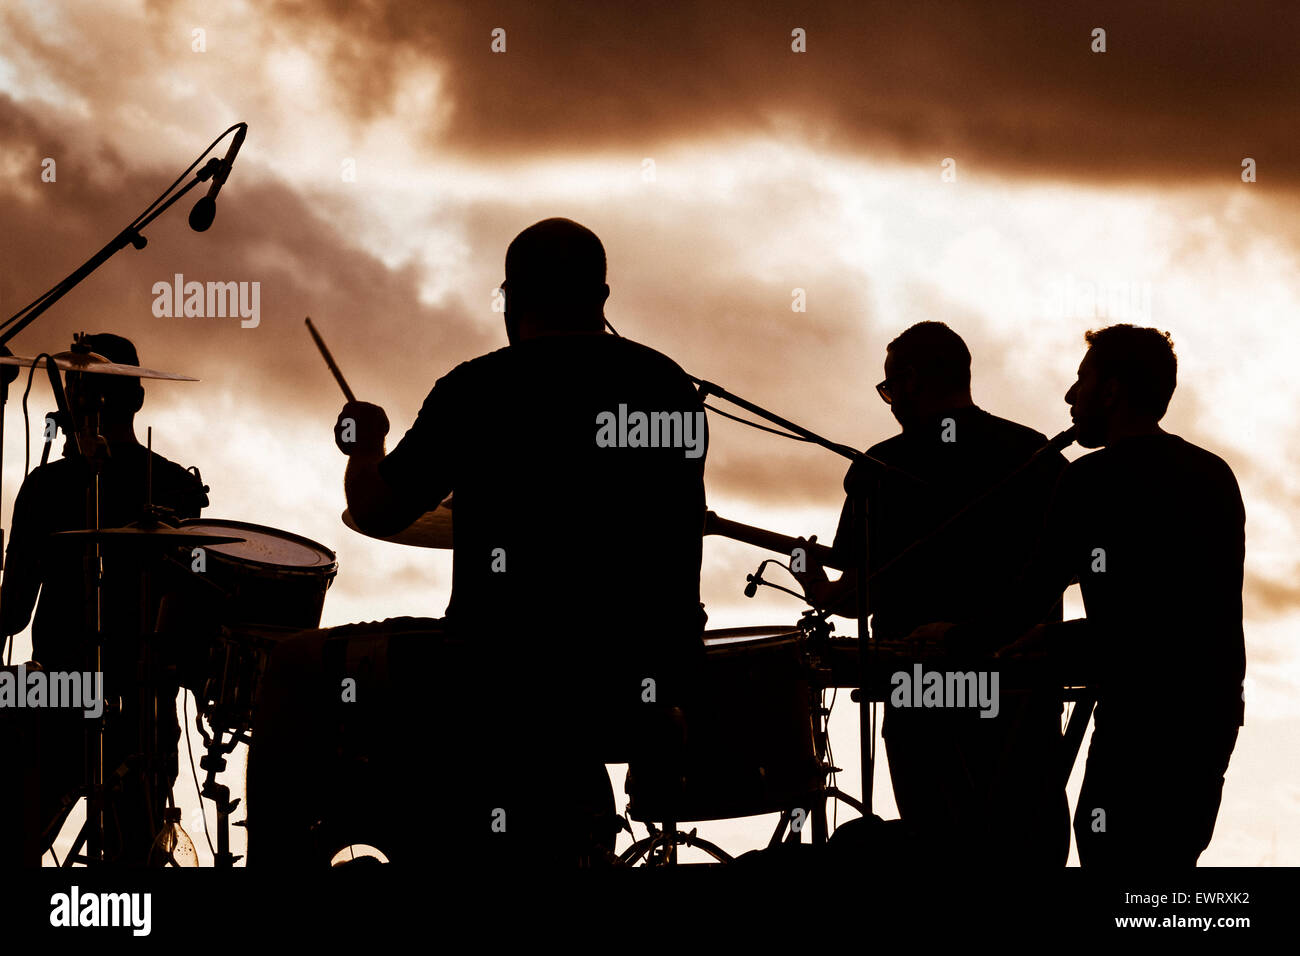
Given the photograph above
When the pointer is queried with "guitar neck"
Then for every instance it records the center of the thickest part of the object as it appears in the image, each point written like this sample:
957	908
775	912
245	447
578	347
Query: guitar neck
769	540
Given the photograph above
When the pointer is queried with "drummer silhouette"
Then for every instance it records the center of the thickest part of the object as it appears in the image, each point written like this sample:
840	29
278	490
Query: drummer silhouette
49	578
575	587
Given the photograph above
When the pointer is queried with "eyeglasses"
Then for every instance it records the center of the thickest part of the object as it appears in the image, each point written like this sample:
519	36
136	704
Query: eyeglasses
884	389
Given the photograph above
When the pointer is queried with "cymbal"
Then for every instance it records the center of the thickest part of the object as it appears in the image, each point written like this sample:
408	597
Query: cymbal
154	535
431	530
96	364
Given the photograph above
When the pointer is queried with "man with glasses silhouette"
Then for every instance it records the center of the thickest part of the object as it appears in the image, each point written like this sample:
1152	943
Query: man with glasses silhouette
964	784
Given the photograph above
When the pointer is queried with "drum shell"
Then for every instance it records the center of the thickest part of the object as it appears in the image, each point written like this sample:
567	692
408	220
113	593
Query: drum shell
749	740
265	595
236	590
232	591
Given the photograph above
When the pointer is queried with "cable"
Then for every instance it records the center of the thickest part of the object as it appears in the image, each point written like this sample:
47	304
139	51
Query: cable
830	755
734	418
185	708
753	424
27	426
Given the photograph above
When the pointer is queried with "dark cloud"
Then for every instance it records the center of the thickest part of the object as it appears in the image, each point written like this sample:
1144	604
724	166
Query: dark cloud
1185	90
808	366
370	315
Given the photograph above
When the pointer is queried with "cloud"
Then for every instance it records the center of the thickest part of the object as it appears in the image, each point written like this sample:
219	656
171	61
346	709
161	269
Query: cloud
1183	91
1269	596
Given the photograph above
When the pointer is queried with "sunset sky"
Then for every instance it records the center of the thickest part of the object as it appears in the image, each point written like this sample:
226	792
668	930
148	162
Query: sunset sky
723	171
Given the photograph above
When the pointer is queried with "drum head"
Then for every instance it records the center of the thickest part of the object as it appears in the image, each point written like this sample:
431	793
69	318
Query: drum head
265	546
722	639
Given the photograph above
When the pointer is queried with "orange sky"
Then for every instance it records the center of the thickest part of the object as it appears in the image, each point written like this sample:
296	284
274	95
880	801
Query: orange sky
773	171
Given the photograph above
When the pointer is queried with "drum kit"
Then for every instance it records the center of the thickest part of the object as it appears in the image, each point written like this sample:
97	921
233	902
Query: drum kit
226	591
757	744
239	586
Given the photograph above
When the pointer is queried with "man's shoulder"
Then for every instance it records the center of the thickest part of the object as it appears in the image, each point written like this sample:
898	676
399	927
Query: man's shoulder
1187	462
174	485
1011	433
1203	457
886	449
52	474
1017	439
607	350
173	470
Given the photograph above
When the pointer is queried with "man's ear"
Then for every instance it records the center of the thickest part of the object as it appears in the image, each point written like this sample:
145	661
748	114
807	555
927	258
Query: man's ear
1112	393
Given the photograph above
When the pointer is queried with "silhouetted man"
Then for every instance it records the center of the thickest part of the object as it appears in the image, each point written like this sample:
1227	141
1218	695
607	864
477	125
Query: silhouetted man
964	783
52	499
577	462
1153	529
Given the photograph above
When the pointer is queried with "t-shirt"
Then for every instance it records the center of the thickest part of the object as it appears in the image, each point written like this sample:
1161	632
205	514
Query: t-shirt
943	465
53	499
1153	527
577	466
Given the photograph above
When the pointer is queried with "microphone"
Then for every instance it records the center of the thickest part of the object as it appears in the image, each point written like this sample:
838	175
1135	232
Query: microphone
1060	442
756	579
205	210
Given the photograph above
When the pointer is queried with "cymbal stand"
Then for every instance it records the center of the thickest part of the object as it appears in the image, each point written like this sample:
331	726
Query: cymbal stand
214	761
93	450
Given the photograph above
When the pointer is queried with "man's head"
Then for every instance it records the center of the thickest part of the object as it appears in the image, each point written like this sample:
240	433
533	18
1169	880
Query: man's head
122	396
927	371
1125	382
555	281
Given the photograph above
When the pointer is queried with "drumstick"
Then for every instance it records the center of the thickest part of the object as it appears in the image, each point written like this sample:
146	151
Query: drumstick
329	360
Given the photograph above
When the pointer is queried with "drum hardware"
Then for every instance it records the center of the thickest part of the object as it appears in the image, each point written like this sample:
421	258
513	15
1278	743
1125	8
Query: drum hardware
256	568
256	575
260	585
759	745
149	534
213	762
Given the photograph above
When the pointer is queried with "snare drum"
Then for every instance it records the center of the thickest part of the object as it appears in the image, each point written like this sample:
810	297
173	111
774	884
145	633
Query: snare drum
271	579
749	740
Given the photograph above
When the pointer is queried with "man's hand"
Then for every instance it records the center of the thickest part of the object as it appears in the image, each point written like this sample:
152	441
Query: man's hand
813	577
360	429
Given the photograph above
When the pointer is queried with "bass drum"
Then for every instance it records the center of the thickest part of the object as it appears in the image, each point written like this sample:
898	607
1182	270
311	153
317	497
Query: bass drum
749	740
